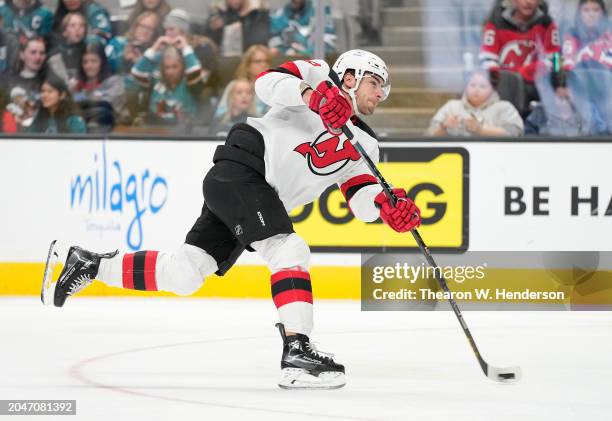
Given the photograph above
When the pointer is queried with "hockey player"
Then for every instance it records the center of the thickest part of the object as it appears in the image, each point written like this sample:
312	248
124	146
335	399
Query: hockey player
267	167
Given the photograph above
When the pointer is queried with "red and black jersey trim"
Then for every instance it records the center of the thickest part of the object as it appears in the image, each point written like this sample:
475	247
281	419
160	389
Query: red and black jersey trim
288	68
358	122
353	185
139	270
291	286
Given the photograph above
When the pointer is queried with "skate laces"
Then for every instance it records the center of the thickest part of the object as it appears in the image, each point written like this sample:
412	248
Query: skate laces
79	283
312	347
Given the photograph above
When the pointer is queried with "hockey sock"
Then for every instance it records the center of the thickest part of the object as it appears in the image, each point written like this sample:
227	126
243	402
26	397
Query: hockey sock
130	270
182	271
138	270
292	295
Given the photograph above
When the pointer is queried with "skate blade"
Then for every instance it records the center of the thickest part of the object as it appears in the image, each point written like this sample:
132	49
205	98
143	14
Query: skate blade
297	378
52	267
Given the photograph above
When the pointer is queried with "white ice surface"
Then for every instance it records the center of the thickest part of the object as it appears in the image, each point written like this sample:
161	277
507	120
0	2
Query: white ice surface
192	359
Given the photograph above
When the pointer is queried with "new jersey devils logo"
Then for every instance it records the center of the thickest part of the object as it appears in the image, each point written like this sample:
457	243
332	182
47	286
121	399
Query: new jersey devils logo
326	155
517	53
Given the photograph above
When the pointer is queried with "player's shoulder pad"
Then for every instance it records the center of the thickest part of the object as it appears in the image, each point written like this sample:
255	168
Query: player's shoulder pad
315	63
313	66
302	69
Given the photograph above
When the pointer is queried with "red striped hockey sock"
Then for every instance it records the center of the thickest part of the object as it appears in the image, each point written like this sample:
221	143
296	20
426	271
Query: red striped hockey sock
290	286
139	270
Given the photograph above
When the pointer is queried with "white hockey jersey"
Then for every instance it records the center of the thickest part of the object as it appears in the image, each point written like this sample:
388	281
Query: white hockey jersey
302	159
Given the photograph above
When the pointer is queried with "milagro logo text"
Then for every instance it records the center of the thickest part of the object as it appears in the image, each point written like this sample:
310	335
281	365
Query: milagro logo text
110	189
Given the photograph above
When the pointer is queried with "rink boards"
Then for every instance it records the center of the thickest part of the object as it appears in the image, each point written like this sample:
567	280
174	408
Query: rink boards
486	195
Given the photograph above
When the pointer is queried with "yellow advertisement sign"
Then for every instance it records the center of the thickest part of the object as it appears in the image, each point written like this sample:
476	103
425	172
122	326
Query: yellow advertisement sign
437	179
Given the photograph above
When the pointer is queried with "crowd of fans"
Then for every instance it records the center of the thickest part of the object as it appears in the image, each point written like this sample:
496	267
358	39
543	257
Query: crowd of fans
75	70
540	79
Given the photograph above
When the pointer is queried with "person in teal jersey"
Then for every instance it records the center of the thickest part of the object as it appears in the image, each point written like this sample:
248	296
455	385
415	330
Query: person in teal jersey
57	112
292	29
9	50
124	51
172	74
6	16
98	18
27	18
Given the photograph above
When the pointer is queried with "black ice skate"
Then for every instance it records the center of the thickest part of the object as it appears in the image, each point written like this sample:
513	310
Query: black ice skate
80	269
304	367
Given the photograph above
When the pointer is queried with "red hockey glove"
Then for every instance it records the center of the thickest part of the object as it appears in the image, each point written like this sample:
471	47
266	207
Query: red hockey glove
331	105
402	217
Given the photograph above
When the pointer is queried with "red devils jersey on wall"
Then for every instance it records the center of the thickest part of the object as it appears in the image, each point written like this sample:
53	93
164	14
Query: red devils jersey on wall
522	50
302	159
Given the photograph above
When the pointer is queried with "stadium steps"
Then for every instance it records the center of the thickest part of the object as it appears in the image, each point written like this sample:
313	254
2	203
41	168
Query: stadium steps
442	78
415	36
416	16
419	56
422	43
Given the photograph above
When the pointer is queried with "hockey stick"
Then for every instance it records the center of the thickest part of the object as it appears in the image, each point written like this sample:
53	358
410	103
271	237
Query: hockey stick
500	374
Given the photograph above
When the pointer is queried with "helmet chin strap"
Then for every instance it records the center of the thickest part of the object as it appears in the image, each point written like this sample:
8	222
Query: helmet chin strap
351	93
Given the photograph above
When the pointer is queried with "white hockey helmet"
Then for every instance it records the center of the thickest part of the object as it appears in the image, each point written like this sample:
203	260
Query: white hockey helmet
362	63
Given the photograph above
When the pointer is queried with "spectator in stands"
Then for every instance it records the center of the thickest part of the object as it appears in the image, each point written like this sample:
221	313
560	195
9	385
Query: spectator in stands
26	18
124	51
256	60
172	75
177	24
160	7
292	29
235	25
22	86
57	112
518	44
6	17
587	53
479	112
589	42
8	124
9	50
97	17
99	94
238	104
65	55
561	117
